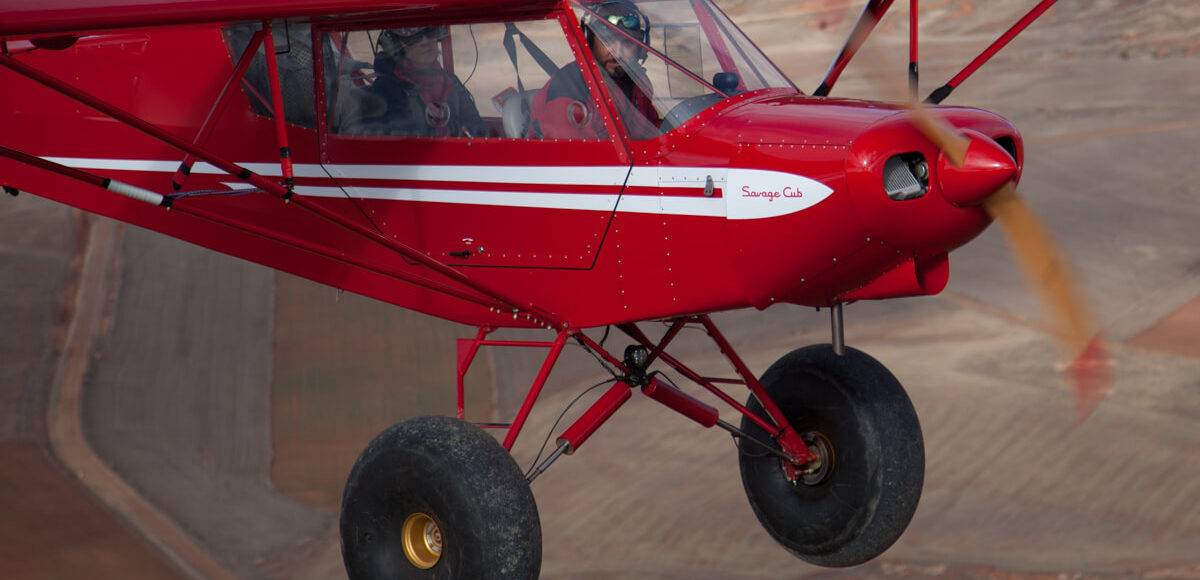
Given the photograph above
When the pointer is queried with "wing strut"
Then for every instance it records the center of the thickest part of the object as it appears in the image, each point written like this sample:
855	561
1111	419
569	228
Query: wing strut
534	314
139	194
118	187
913	73
871	14
281	136
185	167
940	94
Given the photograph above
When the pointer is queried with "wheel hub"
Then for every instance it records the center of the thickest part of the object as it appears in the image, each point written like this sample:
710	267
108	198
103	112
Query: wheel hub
821	462
422	540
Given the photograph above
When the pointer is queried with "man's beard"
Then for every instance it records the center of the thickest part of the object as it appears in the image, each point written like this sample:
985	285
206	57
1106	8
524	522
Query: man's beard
618	70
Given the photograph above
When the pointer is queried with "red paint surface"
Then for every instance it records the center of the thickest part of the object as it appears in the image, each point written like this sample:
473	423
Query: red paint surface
580	268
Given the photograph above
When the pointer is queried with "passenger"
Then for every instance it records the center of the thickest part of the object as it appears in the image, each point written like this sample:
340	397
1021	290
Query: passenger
422	97
563	108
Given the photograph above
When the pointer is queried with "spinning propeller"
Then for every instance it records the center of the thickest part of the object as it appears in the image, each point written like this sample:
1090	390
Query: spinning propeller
975	170
969	160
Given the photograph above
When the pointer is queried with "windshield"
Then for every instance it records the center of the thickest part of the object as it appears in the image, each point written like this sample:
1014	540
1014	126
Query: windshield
667	60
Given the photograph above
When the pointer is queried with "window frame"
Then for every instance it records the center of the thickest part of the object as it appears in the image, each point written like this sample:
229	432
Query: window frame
645	150
569	26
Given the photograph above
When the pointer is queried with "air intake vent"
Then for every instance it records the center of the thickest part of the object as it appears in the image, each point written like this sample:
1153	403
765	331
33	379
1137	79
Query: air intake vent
906	176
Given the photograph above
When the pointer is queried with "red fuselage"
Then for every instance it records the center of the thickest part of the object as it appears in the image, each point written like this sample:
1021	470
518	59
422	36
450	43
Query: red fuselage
769	196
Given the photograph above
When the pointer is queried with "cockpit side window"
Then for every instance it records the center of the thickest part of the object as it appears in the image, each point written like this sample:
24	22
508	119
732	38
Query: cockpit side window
667	60
293	47
648	91
462	81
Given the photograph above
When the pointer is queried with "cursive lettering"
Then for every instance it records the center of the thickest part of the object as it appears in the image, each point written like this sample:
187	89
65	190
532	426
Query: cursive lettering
788	191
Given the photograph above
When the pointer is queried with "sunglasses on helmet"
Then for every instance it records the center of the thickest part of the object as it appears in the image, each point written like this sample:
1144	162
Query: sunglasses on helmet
628	22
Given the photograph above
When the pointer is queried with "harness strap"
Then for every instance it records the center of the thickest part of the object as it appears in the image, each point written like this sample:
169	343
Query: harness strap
511	48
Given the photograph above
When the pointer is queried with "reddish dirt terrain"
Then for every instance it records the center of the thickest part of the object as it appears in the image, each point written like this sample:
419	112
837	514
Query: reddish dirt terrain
234	399
1175	333
52	526
345	368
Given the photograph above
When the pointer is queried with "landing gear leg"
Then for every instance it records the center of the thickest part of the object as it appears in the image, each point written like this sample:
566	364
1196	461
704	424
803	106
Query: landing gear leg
838	329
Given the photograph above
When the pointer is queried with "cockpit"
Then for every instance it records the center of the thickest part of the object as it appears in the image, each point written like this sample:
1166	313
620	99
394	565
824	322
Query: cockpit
644	68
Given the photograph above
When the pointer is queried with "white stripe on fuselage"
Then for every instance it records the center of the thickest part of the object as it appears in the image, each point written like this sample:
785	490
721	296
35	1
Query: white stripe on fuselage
666	204
743	189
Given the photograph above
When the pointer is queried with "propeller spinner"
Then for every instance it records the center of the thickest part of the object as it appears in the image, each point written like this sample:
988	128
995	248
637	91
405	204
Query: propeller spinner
975	170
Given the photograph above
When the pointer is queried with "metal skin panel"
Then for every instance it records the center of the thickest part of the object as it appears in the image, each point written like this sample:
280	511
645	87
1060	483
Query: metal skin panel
649	259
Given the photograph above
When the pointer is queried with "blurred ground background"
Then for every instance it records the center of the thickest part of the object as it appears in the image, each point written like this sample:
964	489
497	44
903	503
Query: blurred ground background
234	399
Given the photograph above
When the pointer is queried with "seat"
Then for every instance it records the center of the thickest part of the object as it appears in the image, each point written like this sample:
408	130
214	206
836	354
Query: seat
515	116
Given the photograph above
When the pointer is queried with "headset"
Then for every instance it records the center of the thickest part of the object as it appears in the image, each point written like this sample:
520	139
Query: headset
394	42
623	14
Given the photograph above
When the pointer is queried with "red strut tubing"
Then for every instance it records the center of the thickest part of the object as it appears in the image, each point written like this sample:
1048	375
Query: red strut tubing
636	333
683	403
464	364
104	183
660	391
524	343
40	163
671	396
871	14
913	20
141	125
666	340
218	107
599	350
913	54
944	91
1000	43
281	136
535	390
716	41
788	438
267	185
594	417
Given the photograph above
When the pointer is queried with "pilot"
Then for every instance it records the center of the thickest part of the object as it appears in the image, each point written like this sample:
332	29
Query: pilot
422	97
563	109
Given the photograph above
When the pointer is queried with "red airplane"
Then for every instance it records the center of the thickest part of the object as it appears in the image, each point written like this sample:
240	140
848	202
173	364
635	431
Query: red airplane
557	164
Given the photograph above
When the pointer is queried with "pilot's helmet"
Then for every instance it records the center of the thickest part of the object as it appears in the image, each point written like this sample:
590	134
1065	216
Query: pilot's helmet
394	41
623	14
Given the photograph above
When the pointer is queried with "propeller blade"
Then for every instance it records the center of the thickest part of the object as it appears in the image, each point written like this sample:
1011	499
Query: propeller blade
936	129
1089	372
952	143
1047	273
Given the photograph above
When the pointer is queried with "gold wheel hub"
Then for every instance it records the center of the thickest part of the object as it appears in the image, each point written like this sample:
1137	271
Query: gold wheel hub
422	540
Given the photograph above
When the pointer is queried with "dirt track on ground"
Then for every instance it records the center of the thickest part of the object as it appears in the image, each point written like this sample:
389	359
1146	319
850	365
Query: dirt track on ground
52	527
65	409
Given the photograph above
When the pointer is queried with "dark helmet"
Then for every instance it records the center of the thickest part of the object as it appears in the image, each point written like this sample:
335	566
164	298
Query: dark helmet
623	14
395	41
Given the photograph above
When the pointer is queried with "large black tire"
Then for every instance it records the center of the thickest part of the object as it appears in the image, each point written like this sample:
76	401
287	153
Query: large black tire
865	497
457	476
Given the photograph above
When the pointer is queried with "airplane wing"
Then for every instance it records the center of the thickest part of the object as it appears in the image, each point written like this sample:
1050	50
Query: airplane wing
23	18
